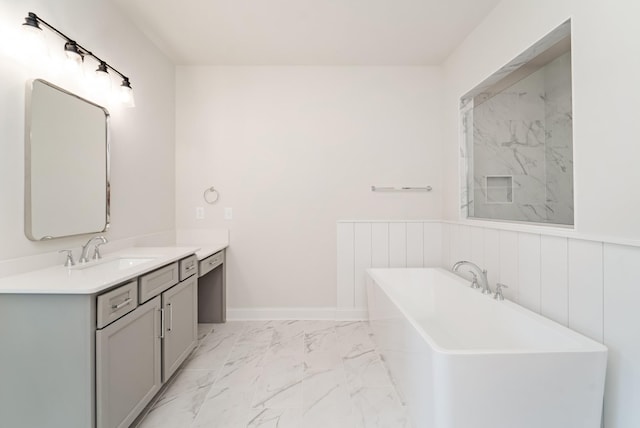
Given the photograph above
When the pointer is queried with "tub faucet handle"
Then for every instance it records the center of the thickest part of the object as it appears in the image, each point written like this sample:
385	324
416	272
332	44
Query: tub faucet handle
498	295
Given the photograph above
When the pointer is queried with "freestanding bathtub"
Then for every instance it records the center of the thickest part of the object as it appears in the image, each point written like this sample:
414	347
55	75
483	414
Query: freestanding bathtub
461	359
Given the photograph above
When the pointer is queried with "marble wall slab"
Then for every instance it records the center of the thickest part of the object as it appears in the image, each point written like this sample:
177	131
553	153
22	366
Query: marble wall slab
524	132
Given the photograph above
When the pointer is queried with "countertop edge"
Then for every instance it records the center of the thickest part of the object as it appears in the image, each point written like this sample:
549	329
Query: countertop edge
71	281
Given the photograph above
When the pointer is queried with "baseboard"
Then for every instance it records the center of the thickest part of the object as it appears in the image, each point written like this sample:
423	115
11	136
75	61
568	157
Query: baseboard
261	314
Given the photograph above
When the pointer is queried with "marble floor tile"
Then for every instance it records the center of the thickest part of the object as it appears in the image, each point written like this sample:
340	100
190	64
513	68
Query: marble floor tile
379	408
285	345
326	399
224	408
258	333
284	374
175	412
187	380
321	349
290	328
280	384
311	326
213	350
354	334
364	368
204	330
275	418
239	377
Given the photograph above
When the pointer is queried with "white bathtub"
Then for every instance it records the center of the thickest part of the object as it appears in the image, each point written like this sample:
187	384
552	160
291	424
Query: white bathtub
460	359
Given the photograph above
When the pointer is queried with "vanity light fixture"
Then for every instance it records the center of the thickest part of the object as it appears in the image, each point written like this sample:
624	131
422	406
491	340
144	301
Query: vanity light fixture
34	37
73	53
126	94
102	77
76	54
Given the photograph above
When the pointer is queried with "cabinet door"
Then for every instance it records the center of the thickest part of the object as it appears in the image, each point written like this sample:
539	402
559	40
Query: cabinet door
181	324
128	365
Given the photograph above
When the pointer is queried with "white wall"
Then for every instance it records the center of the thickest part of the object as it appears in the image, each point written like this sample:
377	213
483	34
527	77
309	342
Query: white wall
294	149
605	116
142	139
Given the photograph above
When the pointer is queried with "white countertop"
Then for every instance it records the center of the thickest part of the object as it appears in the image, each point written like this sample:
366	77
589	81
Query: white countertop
82	279
210	249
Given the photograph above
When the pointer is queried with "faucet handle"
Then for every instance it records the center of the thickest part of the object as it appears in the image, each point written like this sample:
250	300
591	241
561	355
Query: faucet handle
96	250
498	294
69	261
474	281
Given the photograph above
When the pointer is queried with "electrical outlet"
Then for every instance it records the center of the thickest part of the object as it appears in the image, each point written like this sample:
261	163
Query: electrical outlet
228	213
199	213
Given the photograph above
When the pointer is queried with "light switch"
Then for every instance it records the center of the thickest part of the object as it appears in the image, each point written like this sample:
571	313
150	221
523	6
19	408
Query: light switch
228	213
199	213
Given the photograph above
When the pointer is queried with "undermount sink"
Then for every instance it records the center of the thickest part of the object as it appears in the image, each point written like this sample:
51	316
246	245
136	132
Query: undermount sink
121	263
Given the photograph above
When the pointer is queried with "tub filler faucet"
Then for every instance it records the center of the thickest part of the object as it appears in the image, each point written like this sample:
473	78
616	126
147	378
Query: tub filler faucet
478	274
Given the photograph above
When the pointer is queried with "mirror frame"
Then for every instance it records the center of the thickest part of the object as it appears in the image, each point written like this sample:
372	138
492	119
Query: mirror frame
28	209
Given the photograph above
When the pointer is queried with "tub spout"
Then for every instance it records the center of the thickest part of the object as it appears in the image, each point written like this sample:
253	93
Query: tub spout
477	272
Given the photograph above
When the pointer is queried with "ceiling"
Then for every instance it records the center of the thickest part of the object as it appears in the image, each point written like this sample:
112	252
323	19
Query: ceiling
307	32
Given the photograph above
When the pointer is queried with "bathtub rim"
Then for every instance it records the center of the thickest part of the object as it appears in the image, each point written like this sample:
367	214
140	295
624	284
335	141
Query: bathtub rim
587	345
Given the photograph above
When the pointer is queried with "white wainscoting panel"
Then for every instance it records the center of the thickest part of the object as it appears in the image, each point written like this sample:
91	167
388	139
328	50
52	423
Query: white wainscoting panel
446	245
362	262
529	271
477	245
553	279
622	335
415	245
508	273
362	245
432	238
397	244
380	245
492	255
460	243
345	268
585	288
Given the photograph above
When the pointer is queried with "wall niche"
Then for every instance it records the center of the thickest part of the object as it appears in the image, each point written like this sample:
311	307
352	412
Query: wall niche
517	124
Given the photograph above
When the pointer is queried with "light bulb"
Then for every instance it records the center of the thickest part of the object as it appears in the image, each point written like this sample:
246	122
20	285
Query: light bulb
126	94
73	56
33	37
102	78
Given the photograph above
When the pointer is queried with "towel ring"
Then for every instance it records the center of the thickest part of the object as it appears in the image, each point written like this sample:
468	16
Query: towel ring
208	199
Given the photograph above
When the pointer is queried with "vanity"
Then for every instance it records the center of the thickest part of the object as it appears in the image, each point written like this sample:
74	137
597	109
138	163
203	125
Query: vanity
90	345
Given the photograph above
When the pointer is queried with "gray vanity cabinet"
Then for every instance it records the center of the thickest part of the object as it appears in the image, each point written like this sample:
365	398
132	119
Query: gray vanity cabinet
128	362
137	353
181	325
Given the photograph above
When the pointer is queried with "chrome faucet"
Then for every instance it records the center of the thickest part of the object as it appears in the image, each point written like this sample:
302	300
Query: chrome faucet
477	273
96	253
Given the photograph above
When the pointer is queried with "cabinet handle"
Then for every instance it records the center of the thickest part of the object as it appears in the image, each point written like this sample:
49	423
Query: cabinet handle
121	304
170	316
161	323
190	267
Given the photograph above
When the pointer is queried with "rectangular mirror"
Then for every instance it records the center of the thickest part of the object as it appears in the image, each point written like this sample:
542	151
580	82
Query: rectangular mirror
66	163
518	145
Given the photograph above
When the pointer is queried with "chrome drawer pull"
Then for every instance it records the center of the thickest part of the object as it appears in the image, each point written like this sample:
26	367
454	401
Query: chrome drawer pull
121	304
190	267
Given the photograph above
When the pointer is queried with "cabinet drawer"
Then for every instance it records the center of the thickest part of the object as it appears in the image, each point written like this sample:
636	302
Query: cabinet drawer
157	281
211	262
188	267
116	303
